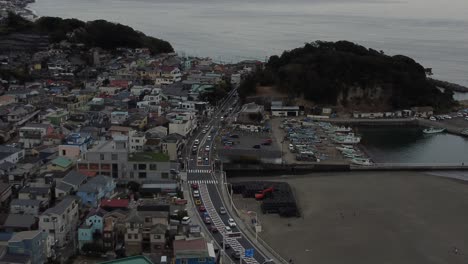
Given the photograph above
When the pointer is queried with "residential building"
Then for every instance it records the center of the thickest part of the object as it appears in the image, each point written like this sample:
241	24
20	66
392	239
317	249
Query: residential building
57	117
70	183
119	131
133	236
182	123
93	224
75	145
60	222
193	251
423	111
11	154
110	90
136	141
5	194
119	117
171	145
26	206
29	243
148	166
60	164
31	134
97	188
107	158
42	194
114	229
19	222
130	260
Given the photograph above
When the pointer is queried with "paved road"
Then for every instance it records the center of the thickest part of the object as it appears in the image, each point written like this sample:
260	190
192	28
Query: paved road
199	170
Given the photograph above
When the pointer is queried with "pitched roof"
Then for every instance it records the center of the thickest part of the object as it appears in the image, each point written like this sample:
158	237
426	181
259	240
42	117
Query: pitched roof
62	206
19	220
189	245
25	202
35	190
24	235
134	217
116	203
74	178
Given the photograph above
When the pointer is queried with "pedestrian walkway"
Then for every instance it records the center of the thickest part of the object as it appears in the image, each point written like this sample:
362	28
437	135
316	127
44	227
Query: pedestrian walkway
203	181
199	171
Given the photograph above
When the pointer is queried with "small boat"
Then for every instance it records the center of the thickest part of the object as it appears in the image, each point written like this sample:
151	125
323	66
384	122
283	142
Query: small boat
433	130
362	162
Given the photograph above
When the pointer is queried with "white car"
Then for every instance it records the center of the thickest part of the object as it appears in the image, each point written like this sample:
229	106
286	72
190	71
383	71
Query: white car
207	148
186	220
196	142
196	193
208	138
203	131
432	118
228	229
231	222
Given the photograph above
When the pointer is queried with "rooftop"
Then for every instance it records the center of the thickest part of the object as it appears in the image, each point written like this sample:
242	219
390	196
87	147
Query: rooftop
148	156
20	236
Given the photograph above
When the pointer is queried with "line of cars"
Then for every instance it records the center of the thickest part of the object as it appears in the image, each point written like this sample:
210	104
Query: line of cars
207	220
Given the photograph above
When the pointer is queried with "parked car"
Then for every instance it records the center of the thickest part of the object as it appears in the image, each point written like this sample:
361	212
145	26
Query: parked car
231	222
222	211
234	136
186	220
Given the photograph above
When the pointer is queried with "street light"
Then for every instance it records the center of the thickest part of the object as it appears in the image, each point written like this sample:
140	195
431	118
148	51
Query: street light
256	223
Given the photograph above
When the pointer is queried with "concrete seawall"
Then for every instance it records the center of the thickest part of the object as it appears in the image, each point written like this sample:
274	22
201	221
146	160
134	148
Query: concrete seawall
266	170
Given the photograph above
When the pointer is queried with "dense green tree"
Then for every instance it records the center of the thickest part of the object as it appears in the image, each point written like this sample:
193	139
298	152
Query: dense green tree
322	71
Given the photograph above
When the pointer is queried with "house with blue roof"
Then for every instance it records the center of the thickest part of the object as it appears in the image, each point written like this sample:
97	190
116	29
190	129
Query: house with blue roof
75	145
96	189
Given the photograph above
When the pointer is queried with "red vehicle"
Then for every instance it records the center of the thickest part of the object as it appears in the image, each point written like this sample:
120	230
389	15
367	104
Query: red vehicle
261	194
195	186
202	208
267	141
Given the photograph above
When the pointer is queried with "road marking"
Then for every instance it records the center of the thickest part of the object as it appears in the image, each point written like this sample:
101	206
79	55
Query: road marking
203	181
199	171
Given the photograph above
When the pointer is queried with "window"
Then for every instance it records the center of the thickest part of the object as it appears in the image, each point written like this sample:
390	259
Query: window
135	167
153	167
132	175
157	236
64	152
129	236
142	175
101	156
142	166
46	220
165	175
114	156
147	219
137	140
201	260
136	236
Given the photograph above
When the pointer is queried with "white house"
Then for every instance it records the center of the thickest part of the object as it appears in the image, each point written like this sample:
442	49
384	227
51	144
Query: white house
60	223
182	123
11	154
136	141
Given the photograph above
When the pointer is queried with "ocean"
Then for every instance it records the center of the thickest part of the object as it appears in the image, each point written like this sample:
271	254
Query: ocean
433	32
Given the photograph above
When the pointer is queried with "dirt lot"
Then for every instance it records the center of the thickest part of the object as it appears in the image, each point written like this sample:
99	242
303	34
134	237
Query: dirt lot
381	217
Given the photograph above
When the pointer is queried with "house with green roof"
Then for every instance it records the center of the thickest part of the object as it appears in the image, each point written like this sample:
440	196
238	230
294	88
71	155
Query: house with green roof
60	164
148	166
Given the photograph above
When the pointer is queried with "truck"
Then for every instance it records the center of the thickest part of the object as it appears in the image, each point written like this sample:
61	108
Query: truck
261	194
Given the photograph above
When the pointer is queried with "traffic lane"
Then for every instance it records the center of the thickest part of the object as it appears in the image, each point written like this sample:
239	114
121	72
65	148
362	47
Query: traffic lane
217	203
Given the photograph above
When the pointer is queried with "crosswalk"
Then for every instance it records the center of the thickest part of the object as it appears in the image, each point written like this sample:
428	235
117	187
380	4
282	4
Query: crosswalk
203	182
199	171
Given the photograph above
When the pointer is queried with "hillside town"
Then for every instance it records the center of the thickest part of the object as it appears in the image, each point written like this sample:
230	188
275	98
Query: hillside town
91	152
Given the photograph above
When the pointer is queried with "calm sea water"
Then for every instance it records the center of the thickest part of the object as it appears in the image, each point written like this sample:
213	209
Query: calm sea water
410	145
433	32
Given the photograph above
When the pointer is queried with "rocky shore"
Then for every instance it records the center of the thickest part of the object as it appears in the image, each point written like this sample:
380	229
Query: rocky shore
18	7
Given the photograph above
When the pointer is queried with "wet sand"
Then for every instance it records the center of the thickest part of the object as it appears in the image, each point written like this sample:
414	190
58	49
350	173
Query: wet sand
375	217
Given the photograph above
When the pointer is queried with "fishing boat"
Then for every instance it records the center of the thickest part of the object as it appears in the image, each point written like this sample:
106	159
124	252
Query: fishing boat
348	139
433	130
362	162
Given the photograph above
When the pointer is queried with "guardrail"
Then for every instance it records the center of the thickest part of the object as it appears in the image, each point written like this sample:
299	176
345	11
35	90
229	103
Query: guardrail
250	229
